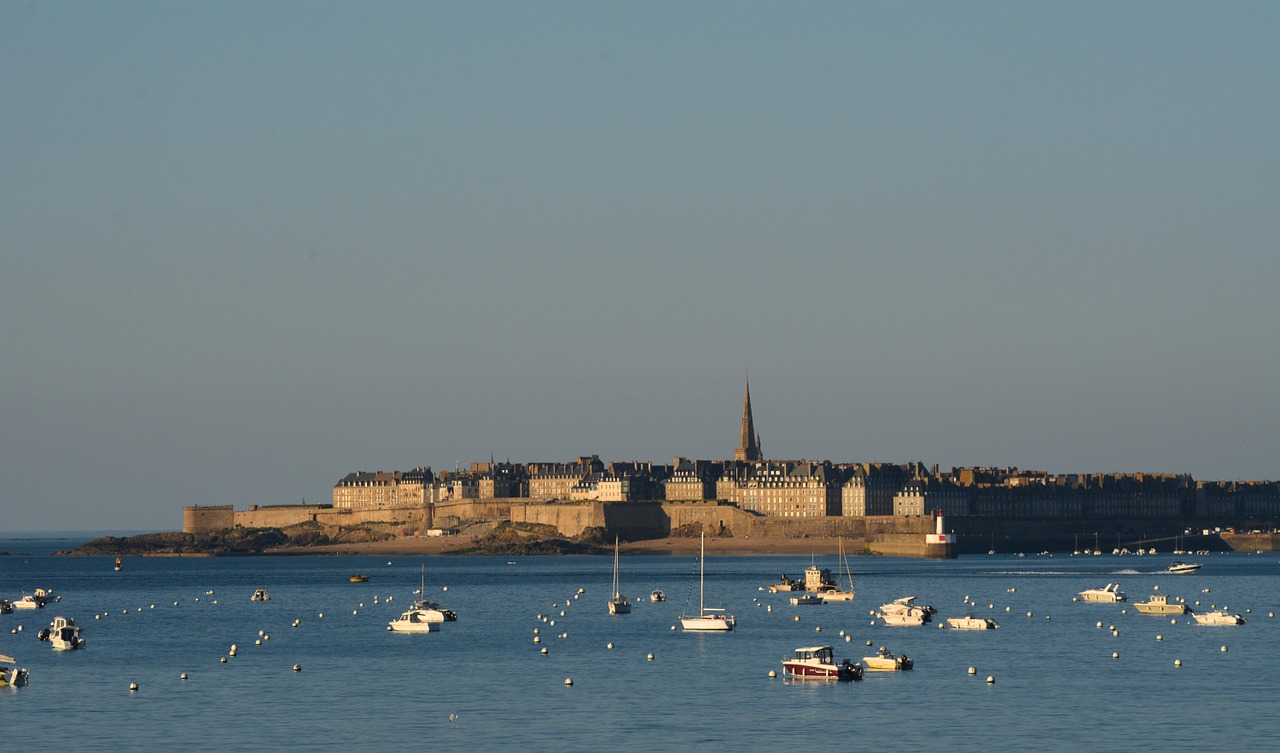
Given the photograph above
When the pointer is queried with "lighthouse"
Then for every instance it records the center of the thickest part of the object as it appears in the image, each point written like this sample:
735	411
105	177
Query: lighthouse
939	537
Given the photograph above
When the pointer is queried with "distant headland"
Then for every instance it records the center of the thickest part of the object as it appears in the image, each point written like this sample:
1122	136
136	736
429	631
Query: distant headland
882	508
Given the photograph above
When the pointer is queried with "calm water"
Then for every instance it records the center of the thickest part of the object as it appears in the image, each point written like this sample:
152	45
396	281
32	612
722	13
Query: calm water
1057	687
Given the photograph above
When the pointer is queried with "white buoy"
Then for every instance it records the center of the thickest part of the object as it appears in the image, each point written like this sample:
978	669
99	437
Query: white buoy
649	657
991	680
182	676
1173	621
258	642
818	629
1028	614
796	618
1223	649
321	616
297	668
1159	637
609	646
868	643
1099	624
772	674
446	588
568	681
973	670
1155	588
133	686
848	639
544	649
1177	662
224	660
1115	654
97	617
536	639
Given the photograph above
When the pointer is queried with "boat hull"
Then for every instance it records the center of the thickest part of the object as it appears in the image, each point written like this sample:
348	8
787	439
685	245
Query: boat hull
799	670
887	663
708	624
972	623
619	607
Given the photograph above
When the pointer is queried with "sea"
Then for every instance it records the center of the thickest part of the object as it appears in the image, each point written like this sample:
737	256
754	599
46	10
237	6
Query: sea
1058	675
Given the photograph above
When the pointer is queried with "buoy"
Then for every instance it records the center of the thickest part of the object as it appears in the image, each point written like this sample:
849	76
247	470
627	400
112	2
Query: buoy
568	681
868	643
848	639
973	670
1028	614
1159	637
1115	654
609	645
796	618
224	660
97	617
536	639
446	588
536	630
133	686
182	676
388	628
991	680
841	633
1099	623
544	649
818	629
649	657
266	637
1177	662
673	627
297	668
1223	649
258	642
322	615
1173	622
772	674
1155	588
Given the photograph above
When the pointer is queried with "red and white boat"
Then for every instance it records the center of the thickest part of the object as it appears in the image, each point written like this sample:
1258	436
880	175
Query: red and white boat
818	663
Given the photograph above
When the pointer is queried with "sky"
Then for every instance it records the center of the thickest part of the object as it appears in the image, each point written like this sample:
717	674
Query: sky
249	247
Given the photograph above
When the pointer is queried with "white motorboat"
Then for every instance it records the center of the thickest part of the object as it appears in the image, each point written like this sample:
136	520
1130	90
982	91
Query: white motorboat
416	621
707	619
903	612
805	600
1217	617
1159	604
1108	594
885	661
836	593
618	603
819	663
656	595
28	602
11	675
260	595
1183	568
969	622
63	634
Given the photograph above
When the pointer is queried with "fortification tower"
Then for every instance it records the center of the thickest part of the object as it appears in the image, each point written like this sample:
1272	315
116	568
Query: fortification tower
748	441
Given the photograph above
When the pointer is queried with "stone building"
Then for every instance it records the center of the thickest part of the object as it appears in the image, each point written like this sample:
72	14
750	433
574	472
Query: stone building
931	494
796	490
383	489
556	480
870	488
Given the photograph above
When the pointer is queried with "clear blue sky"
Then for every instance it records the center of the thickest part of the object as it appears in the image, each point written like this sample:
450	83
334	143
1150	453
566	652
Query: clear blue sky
249	247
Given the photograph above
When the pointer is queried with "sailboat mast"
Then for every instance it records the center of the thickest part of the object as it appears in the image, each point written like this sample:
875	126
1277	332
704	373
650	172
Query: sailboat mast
702	569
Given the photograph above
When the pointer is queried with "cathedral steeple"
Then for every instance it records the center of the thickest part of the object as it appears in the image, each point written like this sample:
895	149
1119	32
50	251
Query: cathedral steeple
748	442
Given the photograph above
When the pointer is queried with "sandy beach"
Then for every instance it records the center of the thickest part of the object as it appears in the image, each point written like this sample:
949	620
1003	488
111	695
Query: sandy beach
745	546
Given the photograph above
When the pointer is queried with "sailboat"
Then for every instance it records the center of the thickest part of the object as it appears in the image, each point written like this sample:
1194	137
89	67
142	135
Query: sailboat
837	594
707	619
618	604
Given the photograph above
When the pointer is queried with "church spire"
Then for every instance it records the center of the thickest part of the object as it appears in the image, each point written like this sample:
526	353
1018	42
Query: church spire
748	445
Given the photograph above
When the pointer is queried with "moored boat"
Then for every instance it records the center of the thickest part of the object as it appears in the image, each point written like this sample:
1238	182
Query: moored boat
63	634
805	600
260	595
618	603
707	619
885	661
903	612
835	593
1160	604
415	621
969	622
431	611
1217	617
656	595
11	675
359	579
818	663
1108	594
28	602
